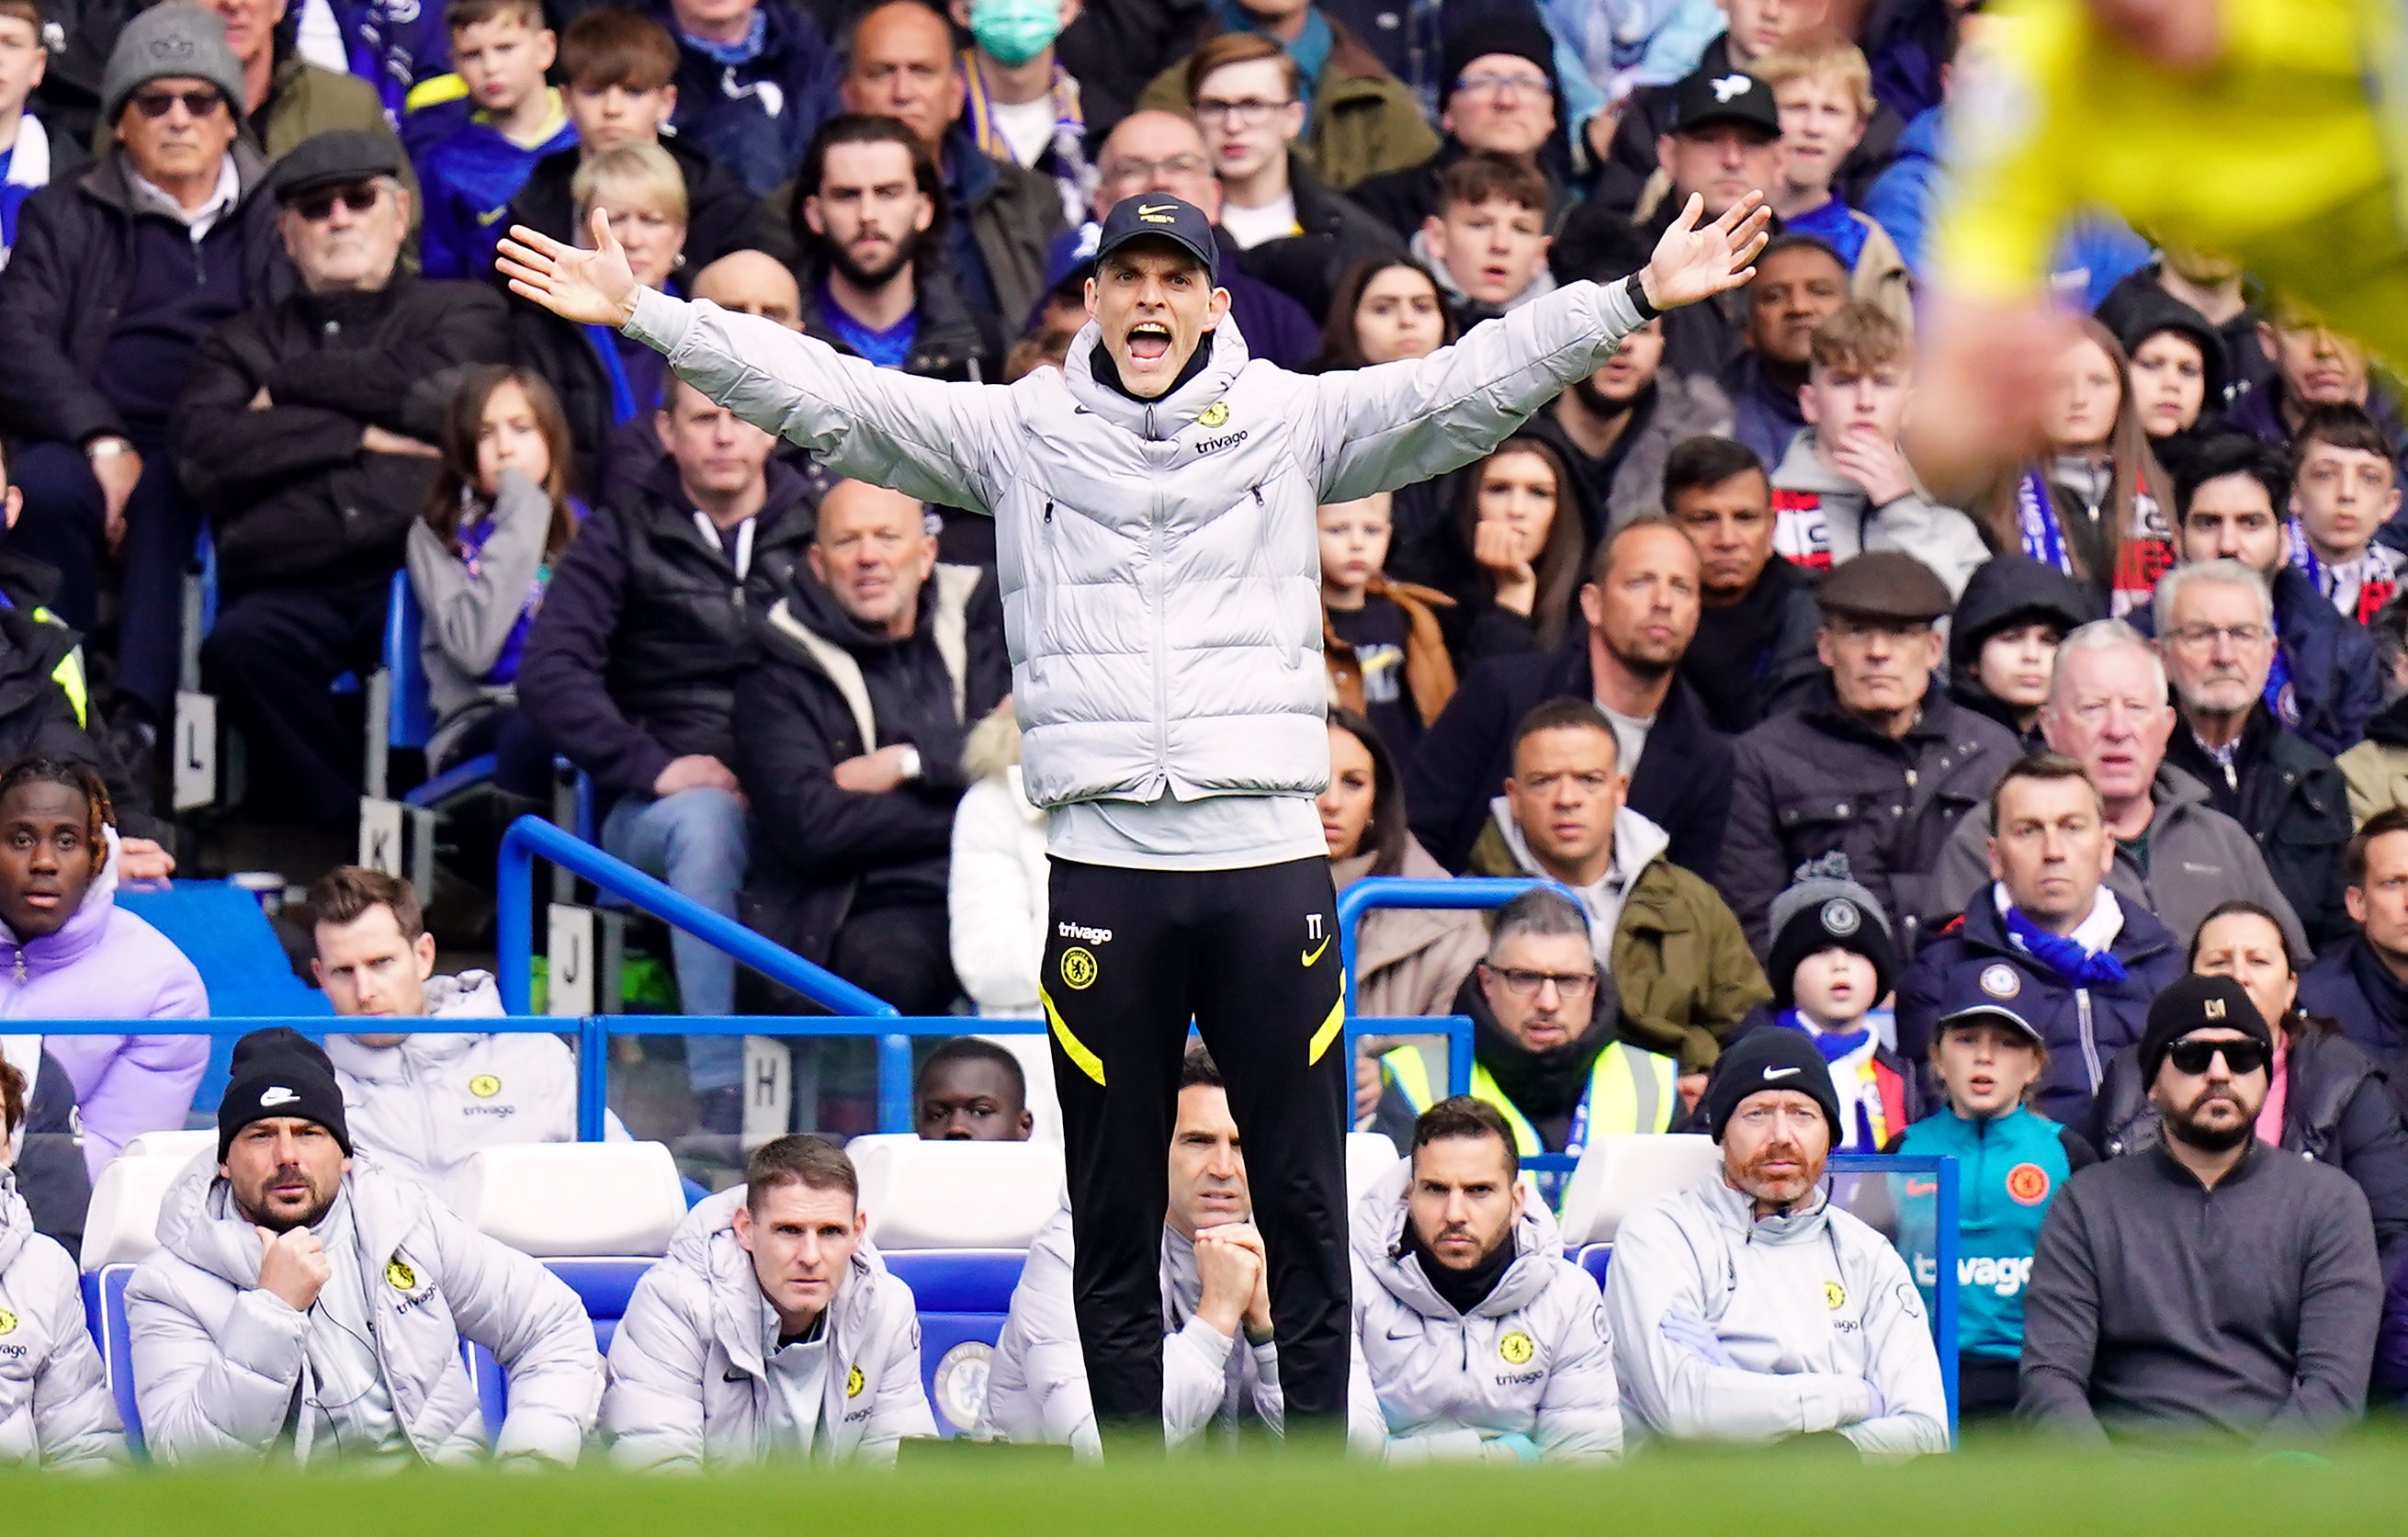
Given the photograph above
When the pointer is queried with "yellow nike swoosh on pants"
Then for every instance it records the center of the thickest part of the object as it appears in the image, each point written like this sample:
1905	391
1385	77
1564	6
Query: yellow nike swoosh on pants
1315	954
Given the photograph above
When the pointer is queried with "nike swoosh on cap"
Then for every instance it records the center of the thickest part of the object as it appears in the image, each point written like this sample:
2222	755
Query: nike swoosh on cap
1771	1073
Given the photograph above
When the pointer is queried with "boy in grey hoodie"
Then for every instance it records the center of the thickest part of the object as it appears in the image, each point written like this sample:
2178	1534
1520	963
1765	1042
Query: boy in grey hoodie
1845	486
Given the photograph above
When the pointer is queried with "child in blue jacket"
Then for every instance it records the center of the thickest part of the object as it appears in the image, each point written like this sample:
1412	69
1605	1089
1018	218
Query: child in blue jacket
2012	1160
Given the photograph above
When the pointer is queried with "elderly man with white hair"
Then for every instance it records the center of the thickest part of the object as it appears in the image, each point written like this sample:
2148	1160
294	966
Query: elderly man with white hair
2216	629
2108	709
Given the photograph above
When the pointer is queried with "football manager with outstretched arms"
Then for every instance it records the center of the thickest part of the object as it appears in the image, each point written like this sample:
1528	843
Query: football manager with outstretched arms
1155	501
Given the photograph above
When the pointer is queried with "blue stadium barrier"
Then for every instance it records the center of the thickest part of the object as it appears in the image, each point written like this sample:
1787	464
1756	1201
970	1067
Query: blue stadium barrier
1474	893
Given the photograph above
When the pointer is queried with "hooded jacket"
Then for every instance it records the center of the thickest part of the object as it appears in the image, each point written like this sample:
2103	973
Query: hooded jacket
1160	567
105	963
647	627
55	1408
69	275
2083	1026
1817	779
690	1383
2337	1109
218	1362
1409	960
425	1107
2004	592
2197	857
1037	1383
1530	1360
1682	970
294	499
812	701
1822	519
1818	1324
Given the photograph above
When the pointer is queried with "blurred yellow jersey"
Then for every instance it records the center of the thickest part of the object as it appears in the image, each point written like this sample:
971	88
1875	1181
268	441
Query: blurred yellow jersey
2282	156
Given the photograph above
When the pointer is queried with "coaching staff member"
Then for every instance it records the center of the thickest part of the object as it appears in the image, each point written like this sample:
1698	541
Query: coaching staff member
1154	502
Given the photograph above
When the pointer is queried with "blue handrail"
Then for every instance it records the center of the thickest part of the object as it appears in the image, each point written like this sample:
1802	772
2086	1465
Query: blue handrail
531	836
1476	893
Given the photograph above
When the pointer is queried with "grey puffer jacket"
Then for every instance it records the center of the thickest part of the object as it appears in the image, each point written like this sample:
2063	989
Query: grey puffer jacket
217	1361
469	619
1160	560
54	1405
689	1380
1532	1359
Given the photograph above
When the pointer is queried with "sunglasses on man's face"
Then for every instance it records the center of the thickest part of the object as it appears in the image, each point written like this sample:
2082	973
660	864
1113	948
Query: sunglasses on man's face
200	103
318	207
2240	1058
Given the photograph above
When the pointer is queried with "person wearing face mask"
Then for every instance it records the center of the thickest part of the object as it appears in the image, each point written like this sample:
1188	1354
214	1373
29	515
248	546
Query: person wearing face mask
1018	101
2210	1284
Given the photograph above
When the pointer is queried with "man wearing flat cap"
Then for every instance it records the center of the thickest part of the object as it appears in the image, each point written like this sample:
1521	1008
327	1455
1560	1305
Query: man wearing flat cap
308	430
2210	1286
1750	1308
1877	765
304	1305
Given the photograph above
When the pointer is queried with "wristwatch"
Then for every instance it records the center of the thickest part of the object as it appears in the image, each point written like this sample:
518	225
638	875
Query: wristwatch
910	762
107	447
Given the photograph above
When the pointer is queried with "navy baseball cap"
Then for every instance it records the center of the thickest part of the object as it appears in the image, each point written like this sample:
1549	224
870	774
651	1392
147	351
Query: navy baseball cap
1159	216
1992	994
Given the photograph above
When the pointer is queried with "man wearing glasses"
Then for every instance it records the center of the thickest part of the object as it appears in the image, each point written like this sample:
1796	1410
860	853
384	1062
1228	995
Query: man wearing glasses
1501	97
2211	1285
1246	93
1546	1053
2216	626
116	274
307	430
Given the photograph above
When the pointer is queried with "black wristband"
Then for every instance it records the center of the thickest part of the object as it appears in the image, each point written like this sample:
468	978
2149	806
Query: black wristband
1638	292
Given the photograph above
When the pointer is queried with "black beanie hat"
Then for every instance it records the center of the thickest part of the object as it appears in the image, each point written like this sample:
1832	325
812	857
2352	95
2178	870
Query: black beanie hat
1822	911
2197	1003
278	1072
1515	33
1770	1058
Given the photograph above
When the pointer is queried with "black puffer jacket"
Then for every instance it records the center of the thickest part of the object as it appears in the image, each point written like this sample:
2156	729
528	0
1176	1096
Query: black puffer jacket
1818	781
2337	1109
824	690
69	274
46	708
294	499
2294	802
634	658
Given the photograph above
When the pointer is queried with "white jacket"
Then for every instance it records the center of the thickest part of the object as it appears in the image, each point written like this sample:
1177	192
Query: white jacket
1037	1383
1816	1312
425	1107
1160	560
54	1402
690	1387
217	1361
995	893
1532	1359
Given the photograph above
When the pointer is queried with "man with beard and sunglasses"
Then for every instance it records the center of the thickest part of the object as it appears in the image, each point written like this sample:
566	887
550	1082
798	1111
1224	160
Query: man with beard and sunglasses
1154	502
868	216
307	1305
1751	1308
2211	1286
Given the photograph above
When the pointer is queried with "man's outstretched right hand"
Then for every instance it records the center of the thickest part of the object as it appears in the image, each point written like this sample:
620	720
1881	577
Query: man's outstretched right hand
592	287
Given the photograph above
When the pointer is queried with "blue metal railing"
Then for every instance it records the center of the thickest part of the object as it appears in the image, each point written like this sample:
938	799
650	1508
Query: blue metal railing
530	837
1474	893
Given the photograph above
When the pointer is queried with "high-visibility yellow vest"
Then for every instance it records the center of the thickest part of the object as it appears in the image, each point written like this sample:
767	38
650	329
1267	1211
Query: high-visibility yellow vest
1629	1090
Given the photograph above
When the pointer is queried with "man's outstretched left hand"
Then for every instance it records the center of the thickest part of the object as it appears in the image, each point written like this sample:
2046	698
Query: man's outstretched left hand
1696	260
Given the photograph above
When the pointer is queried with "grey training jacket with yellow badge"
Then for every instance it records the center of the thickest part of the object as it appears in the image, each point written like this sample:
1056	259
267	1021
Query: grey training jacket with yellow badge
1532	1359
1160	560
55	1408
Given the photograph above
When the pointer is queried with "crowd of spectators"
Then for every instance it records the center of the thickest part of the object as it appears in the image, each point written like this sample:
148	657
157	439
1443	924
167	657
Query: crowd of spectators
1951	792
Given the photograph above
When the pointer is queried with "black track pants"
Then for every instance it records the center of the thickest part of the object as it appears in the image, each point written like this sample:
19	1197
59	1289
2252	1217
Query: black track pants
1251	956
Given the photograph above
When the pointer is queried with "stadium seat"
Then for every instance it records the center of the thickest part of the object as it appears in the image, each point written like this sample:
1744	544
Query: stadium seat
575	1199
1617	1175
1596	1258
122	1222
170	1144
1368	1155
956	1194
963	1296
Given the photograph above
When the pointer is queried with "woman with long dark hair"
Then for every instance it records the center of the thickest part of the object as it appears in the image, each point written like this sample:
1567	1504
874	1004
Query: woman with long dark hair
2095	507
479	559
1523	529
1406	961
1385	308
